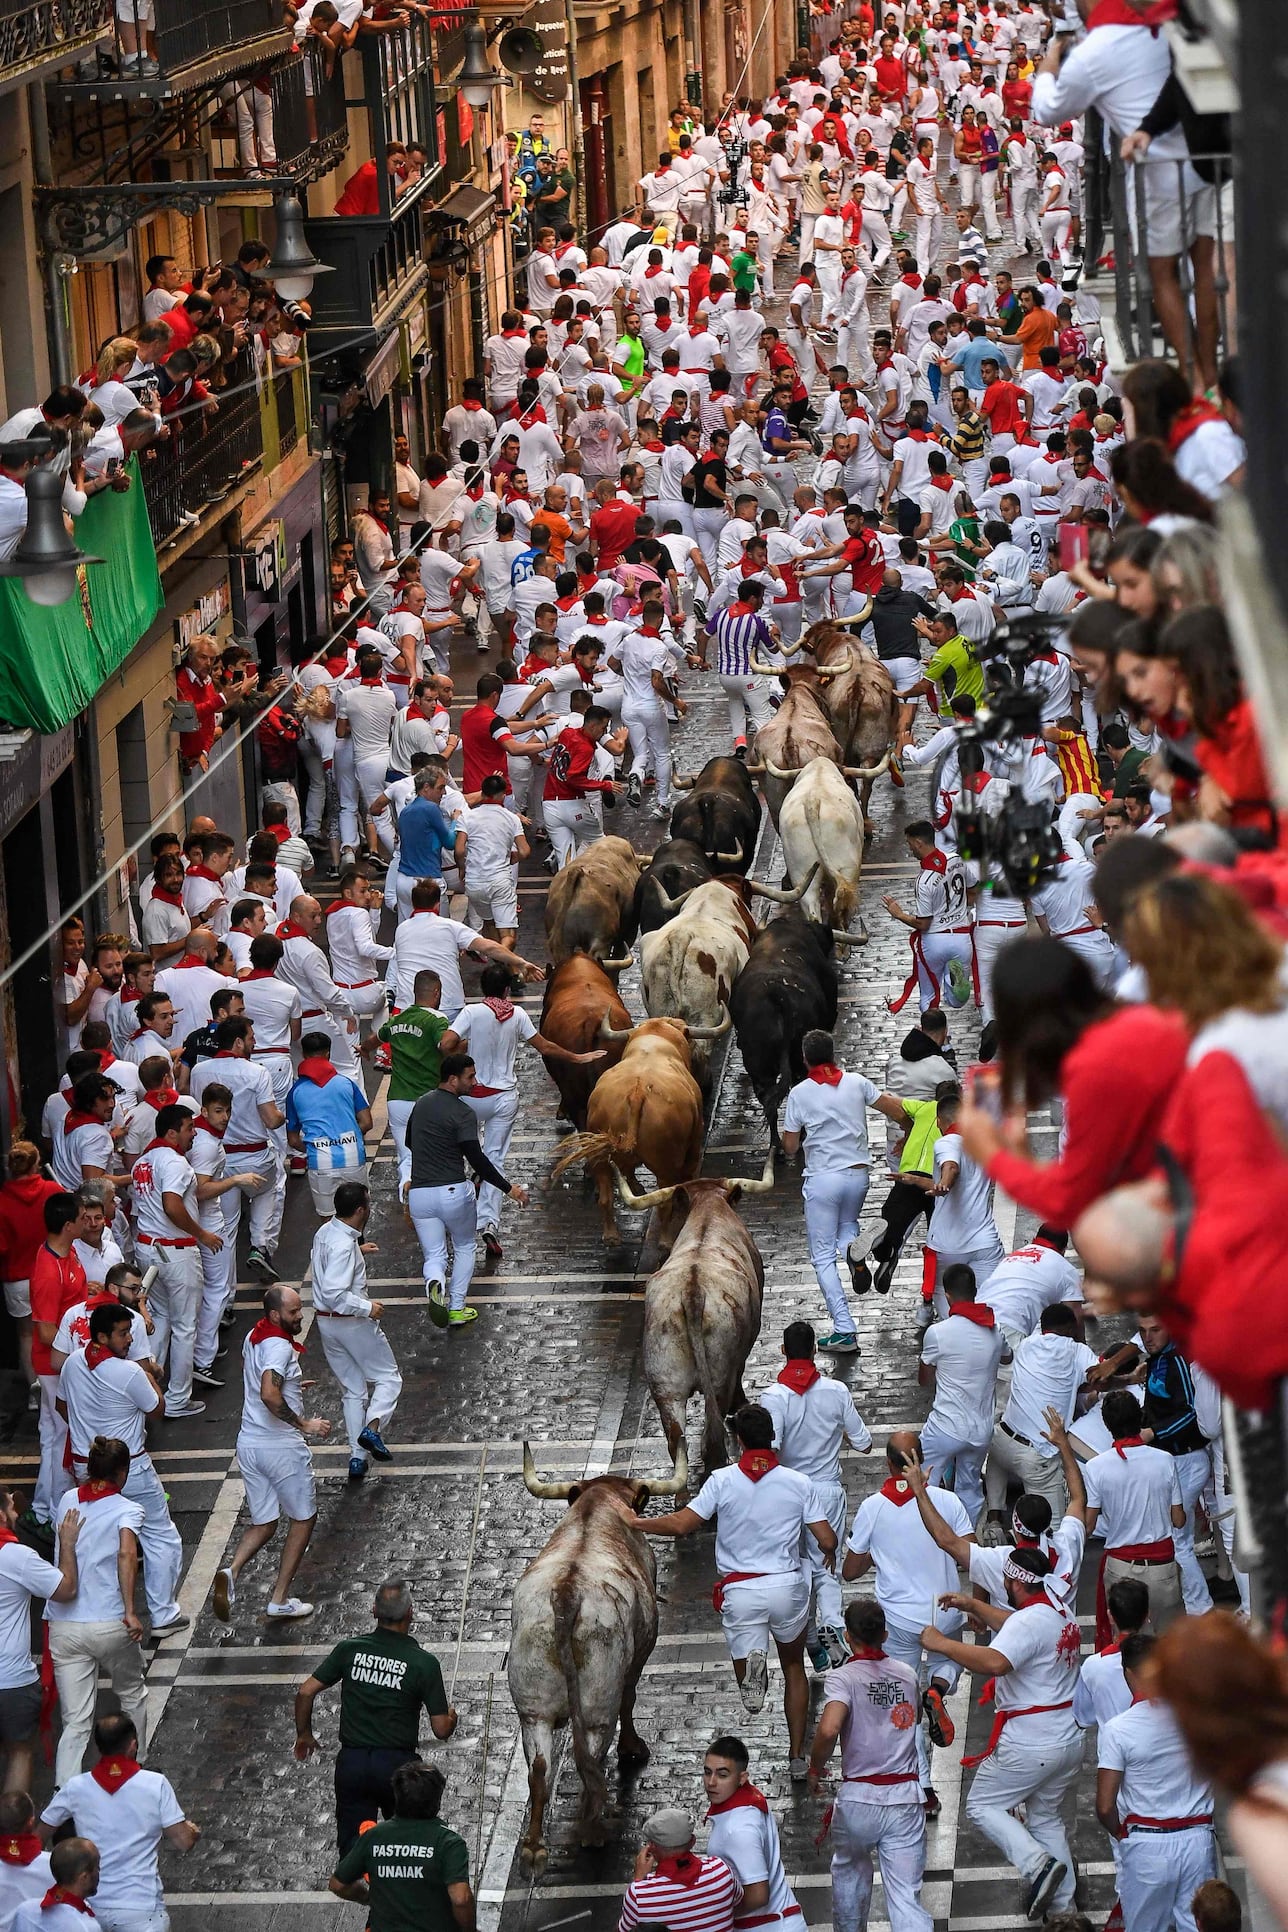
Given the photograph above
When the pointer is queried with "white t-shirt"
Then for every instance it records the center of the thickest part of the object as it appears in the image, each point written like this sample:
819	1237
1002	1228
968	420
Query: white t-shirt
490	842
1159	1781
912	1572
1135	1491
759	1524
20	1883
370	710
158	1171
1047	1372
965	1355
98	1592
251	1086
126	1825
73	1333
1045	1650
258	1426
23	1575
1027	1281
271	1004
834	1121
639	657
1102	1690
747	1839
494	1045
961	1221
429	943
810	1428
110	1400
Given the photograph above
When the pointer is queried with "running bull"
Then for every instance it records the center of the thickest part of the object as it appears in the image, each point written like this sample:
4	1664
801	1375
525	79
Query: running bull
590	906
582	1011
788	986
721	814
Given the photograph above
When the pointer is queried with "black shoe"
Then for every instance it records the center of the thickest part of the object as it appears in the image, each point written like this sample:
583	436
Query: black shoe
207	1378
1043	1888
884	1276
988	1042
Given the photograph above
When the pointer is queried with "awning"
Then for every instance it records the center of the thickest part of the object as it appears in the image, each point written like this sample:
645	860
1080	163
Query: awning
469	210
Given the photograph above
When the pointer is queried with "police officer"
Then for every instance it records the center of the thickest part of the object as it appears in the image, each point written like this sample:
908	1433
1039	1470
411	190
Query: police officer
385	1679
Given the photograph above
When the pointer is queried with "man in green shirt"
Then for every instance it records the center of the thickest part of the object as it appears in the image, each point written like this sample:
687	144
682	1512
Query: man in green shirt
412	1873
952	672
385	1680
412	1037
1123	755
743	268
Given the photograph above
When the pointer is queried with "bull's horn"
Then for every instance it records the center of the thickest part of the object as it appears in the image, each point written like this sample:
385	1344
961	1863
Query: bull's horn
548	1492
684	781
669	905
712	1032
867	771
730	858
679	1478
856	621
658	1197
612	965
609	1032
753	770
849	938
792	898
775	772
829	671
790	650
762	669
766	1182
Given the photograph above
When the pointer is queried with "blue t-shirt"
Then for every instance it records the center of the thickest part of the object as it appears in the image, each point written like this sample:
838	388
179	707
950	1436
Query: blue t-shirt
521	568
970	354
424	834
327	1116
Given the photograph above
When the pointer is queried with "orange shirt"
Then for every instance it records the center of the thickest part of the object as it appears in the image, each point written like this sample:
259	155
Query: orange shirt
560	530
1037	331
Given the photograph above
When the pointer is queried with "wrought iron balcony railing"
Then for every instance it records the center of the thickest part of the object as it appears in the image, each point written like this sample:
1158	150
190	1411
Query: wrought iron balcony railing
45	34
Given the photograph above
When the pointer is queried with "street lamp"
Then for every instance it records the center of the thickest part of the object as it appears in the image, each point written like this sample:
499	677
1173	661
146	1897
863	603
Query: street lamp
478	80
293	267
46	559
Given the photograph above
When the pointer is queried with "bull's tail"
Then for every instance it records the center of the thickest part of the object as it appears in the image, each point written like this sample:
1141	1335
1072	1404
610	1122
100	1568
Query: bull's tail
692	1304
706	811
583	1150
567	1608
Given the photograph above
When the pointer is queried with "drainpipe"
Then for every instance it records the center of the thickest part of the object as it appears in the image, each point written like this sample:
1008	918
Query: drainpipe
55	301
574	97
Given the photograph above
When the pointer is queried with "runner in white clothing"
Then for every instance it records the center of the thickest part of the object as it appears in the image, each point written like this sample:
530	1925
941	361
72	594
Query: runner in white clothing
356	1348
248	1142
744	1832
1030	1529
763	1511
1039	1275
959	1361
813	1416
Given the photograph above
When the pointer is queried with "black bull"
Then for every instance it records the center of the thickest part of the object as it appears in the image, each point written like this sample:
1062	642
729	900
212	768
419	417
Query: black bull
720	812
787	988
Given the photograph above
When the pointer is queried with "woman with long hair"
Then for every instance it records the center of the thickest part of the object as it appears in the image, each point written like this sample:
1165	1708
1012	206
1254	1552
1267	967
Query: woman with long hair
1152	490
1059	1033
1208	454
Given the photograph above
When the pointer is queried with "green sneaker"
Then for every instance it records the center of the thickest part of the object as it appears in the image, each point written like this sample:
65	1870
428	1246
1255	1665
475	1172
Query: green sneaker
838	1344
458	1317
957	981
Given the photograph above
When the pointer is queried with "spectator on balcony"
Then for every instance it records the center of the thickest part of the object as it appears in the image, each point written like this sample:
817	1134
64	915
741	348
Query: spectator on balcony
287	325
136	37
417	161
188	317
248	269
551	192
166	287
181	387
110	447
1208	454
361	194
373	552
15	467
105	384
143	377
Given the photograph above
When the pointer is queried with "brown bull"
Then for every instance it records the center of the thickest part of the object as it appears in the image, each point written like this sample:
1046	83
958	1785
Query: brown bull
799	731
646	1111
861	703
582	1011
590	907
583	1623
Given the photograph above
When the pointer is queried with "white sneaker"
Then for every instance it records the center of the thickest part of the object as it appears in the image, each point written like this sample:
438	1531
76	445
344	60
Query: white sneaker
755	1683
293	1607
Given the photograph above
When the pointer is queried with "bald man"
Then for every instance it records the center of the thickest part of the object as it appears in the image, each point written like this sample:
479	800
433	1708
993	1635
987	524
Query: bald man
191	981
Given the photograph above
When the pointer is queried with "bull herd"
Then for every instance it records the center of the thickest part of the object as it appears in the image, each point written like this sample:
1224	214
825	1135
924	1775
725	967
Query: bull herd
584	1614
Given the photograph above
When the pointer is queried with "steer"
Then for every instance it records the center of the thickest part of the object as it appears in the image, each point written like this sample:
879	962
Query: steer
645	1111
720	813
590	906
583	1623
821	827
702	1308
582	1011
788	986
675	866
801	730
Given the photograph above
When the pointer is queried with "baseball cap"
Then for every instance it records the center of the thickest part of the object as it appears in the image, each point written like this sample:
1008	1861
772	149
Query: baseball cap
670	1829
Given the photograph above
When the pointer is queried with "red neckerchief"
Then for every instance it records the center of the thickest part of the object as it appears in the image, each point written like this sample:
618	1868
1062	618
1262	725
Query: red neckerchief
1187	420
59	1895
260	972
110	1773
935	861
682	1868
21	1849
755	1463
6	1536
912	280
96	1352
203	872
798	1376
828	1076
978	1312
1116	13
867	1654
371	684
897	1490
267	1330
465	403
345	905
95	1491
289	930
189	959
161	1097
918	436
502	1009
76	1119
128	994
318	1070
167	899
941	482
1123	1443
745	1795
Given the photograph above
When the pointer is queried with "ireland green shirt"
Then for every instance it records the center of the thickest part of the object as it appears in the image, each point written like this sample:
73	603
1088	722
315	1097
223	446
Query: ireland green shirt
408	1864
386	1679
412	1038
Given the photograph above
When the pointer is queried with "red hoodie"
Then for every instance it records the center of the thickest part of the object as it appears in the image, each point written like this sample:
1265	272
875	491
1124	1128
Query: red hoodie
22	1223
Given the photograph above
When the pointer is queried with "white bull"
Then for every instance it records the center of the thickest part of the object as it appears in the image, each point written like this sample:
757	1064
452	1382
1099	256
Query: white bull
821	828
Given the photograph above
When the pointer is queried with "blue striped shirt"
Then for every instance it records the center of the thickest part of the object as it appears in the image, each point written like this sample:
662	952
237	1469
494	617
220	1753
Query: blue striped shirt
739	636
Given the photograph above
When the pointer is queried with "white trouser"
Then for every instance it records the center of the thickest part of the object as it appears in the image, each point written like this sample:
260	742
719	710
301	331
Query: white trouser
675	509
572	825
1159	1873
650	743
981	1261
988	205
1055	228
766	248
897	1834
1192	1472
875	236
1221	1513
361	781
937	948
989	941
905	1645
264	1207
218	1286
967	184
281	791
255	143
496	1114
853	344
441	1214
1024	215
1097	948
77	1650
807	237
174	1301
749	706
833	1202
53	1482
939	1449
113	1921
343	1058
789	617
314	805
1037	1774
824	1583
927	241
1076	833
159	1540
707	525
399	1112
1037	1475
360	1358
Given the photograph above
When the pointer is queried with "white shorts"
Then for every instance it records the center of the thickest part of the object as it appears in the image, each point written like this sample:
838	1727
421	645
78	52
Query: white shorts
906	671
765	1607
278	1482
17	1298
495	899
1163	196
